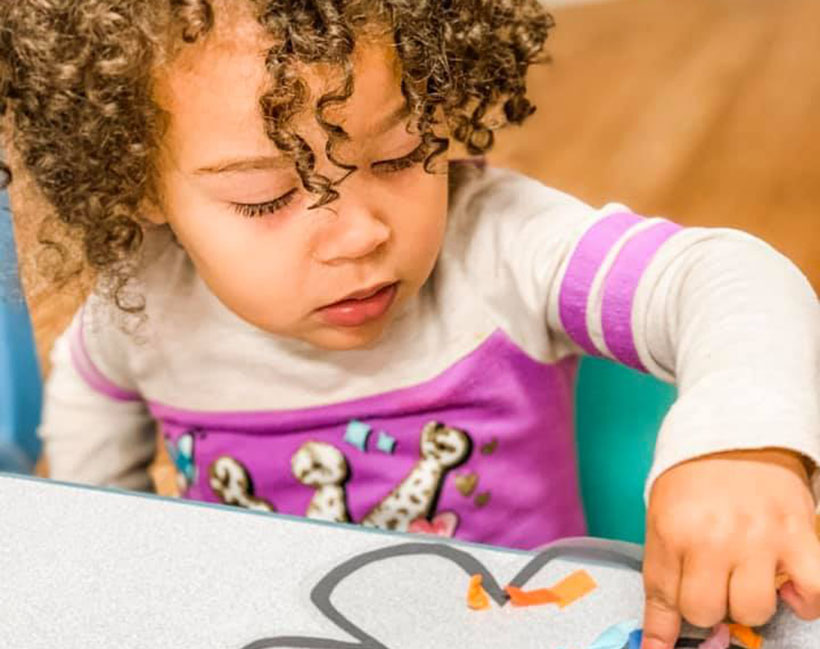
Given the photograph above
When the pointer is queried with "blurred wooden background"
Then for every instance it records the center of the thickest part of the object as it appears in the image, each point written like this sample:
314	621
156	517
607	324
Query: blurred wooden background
703	111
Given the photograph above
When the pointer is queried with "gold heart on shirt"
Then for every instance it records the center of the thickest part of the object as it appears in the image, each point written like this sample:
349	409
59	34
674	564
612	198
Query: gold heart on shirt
490	448
483	499
466	484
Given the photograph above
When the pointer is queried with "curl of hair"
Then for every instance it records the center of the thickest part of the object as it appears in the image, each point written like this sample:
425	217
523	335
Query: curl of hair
195	18
77	79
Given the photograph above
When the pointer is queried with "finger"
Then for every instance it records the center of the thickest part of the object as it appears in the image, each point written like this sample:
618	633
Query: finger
704	587
752	592
661	571
802	564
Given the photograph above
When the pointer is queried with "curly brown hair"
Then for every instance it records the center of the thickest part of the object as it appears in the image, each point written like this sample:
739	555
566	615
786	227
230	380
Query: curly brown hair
76	78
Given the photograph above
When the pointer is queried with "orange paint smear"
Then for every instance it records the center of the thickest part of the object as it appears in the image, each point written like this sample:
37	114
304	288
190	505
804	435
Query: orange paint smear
477	598
748	637
520	597
573	588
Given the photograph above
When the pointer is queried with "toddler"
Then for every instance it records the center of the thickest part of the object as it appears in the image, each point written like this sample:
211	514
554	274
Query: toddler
329	317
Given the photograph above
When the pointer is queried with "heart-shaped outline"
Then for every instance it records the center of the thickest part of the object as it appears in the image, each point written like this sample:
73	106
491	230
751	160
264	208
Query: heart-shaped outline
624	554
627	555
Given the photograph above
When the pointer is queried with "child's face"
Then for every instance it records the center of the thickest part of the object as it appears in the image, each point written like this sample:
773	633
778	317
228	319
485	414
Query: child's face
238	208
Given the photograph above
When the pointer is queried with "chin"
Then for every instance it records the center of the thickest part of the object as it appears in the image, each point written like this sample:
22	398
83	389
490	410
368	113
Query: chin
339	339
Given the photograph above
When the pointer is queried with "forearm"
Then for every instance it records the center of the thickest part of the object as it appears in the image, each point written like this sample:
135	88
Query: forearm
738	327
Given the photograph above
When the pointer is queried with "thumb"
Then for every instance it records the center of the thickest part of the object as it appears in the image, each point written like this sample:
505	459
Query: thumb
661	624
662	576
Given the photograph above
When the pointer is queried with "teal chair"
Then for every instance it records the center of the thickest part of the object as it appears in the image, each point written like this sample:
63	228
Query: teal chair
618	414
20	385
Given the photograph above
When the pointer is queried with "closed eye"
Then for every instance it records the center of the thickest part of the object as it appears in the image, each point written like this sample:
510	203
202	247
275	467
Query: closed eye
256	210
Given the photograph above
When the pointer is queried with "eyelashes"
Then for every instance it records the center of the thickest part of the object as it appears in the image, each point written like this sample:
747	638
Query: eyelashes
257	210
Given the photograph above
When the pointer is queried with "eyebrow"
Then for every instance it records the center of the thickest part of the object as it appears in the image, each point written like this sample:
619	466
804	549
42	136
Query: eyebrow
257	163
266	163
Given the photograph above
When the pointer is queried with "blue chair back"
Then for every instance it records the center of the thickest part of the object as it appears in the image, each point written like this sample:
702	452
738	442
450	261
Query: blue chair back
20	384
618	415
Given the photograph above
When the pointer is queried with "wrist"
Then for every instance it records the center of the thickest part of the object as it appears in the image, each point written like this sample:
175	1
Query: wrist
800	464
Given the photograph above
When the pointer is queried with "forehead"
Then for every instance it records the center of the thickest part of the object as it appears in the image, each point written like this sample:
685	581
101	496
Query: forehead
211	89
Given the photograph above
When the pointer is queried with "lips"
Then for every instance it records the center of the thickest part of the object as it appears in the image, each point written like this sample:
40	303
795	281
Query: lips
366	293
361	307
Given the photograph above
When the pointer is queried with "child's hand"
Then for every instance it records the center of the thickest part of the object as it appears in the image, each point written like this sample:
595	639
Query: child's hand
720	531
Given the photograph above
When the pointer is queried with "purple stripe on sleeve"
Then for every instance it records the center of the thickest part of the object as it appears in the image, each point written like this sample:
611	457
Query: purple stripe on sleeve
584	264
90	374
620	286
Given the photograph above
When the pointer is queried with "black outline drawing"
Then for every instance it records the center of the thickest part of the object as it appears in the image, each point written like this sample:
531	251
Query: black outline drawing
622	554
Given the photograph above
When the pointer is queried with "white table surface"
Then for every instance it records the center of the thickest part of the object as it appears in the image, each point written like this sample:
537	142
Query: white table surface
84	568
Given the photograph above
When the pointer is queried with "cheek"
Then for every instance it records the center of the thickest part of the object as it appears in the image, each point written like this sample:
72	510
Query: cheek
423	221
247	263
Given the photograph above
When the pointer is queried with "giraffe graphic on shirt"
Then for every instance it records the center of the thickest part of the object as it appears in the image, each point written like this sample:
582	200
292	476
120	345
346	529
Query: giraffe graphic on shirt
441	449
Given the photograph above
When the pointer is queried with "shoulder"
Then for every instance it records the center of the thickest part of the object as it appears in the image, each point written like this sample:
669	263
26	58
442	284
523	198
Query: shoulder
477	190
119	321
508	242
499	217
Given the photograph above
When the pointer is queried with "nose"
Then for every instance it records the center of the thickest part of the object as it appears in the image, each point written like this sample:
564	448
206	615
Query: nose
353	231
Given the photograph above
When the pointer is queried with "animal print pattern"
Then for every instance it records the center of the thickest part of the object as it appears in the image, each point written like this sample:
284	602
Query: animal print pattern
442	449
232	484
322	467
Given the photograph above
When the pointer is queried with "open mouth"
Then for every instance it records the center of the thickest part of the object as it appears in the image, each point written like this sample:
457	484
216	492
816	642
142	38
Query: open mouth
361	307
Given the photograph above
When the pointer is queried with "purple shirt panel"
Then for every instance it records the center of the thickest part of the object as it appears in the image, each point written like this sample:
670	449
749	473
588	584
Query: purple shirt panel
516	486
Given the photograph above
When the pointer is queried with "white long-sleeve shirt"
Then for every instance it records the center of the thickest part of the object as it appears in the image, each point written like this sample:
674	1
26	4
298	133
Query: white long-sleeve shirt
460	421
